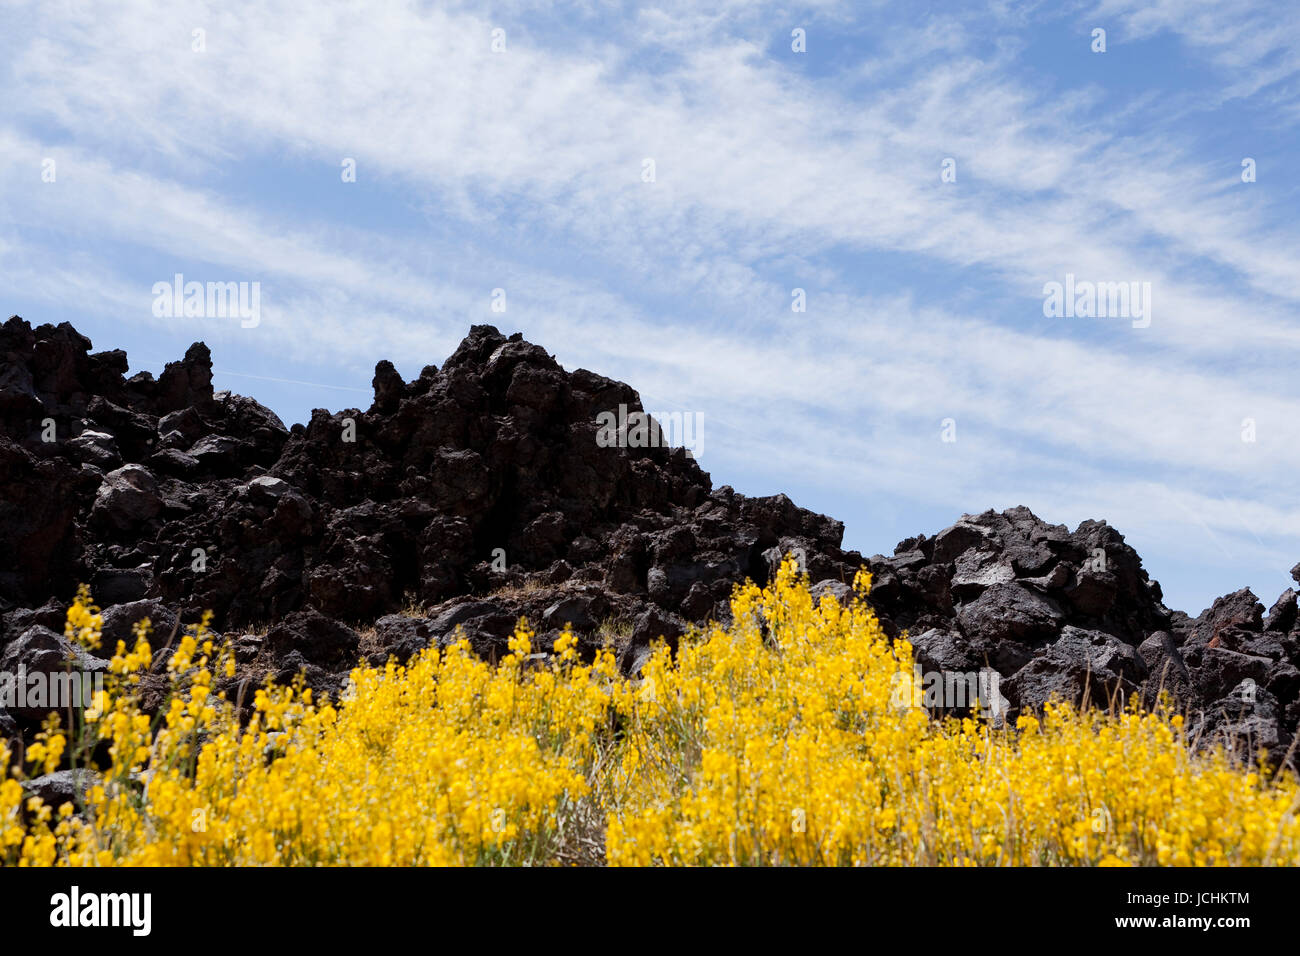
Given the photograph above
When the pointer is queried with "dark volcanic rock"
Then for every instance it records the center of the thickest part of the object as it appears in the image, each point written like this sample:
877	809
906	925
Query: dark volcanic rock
1073	615
478	491
9	729
317	638
1082	665
651	625
60	667
121	585
1282	616
1011	612
120	621
40	501
127	500
61	786
1166	669
400	637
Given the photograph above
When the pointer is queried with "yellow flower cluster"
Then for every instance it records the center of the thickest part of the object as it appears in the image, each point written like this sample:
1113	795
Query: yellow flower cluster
789	746
447	761
777	740
84	621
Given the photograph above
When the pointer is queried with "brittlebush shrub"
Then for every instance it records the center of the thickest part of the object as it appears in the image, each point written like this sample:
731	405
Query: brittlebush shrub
776	740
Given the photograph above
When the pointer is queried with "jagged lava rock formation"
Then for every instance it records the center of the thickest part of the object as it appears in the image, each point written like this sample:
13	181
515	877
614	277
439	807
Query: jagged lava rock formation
169	498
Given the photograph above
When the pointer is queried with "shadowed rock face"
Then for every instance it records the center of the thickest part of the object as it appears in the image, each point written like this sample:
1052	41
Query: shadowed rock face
1074	615
479	493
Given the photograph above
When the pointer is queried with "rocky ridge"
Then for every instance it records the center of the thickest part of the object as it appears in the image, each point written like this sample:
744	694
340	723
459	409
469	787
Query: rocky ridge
477	493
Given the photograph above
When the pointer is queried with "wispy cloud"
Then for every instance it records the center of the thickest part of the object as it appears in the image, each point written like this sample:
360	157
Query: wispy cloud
523	170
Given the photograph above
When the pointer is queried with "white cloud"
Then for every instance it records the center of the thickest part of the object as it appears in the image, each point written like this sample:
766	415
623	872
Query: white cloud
528	166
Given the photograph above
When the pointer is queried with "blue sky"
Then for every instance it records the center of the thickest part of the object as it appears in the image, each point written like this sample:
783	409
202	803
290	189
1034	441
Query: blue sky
774	170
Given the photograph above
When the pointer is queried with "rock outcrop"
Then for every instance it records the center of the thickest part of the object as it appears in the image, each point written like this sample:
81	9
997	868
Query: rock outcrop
477	494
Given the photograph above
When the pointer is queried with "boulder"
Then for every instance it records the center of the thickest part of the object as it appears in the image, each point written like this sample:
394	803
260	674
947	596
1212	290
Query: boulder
62	786
1011	612
96	448
54	673
127	500
120	621
1081	667
401	637
317	638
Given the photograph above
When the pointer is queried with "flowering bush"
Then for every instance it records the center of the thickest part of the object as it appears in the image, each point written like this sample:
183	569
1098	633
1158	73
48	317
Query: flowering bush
776	740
